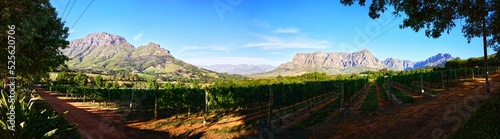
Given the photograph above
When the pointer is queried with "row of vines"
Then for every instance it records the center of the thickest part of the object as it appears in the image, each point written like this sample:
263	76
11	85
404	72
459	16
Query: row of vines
221	96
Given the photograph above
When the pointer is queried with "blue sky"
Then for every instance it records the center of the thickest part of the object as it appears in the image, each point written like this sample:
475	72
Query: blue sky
206	32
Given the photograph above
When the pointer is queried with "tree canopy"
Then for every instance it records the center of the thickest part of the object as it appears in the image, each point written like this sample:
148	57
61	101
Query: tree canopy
39	35
437	17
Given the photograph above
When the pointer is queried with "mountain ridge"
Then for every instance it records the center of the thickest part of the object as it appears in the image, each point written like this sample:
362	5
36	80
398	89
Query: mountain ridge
104	51
342	63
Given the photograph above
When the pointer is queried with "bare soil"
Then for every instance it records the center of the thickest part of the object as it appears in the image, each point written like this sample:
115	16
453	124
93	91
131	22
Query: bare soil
428	117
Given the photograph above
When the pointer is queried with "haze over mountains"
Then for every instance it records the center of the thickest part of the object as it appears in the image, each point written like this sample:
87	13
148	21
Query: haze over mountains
106	51
241	69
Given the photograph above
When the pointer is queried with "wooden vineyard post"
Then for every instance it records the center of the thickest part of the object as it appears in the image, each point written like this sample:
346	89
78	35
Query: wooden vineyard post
341	98
130	104
422	83
84	95
389	88
205	111
465	74
456	78
156	105
270	106
107	101
472	74
442	82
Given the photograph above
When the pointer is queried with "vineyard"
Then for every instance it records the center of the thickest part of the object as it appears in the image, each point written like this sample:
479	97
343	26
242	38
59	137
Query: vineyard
242	96
299	102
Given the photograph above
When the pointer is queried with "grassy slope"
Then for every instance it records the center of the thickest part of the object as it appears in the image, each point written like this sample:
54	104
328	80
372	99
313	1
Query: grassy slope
371	101
484	123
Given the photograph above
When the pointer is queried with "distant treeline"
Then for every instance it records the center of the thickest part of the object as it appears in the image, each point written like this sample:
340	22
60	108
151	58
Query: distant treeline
493	60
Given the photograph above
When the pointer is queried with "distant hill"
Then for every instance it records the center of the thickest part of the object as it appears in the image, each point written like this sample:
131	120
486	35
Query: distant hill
342	63
104	51
241	69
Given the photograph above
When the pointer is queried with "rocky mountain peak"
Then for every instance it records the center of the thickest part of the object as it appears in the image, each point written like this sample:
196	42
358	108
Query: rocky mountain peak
151	49
439	59
152	44
104	38
334	60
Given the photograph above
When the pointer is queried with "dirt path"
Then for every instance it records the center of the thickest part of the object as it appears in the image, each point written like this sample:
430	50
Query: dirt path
381	101
89	125
96	122
356	108
402	89
436	118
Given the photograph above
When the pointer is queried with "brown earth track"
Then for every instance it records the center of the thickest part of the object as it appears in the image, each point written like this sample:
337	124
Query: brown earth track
415	95
356	108
89	125
95	122
431	118
381	101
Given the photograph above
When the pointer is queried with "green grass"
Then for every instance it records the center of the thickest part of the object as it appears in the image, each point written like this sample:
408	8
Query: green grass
371	101
417	89
484	123
383	88
145	76
318	116
406	98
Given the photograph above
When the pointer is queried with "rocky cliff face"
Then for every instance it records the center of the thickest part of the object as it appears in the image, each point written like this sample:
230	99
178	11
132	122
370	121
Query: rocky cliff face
437	60
341	63
397	64
151	49
99	46
336	60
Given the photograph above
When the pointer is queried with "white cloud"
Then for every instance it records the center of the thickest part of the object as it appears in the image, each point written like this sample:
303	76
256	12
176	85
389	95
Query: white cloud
213	48
276	43
275	53
71	30
260	23
287	30
231	60
138	36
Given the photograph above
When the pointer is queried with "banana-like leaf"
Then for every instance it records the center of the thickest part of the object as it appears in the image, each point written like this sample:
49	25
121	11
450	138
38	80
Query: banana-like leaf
49	134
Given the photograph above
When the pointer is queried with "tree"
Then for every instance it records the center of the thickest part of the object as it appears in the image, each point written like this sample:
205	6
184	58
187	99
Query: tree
98	81
62	77
134	77
63	67
481	19
152	84
115	85
81	79
36	35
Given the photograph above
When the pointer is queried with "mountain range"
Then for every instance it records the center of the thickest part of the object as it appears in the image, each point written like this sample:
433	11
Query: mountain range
104	51
342	63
